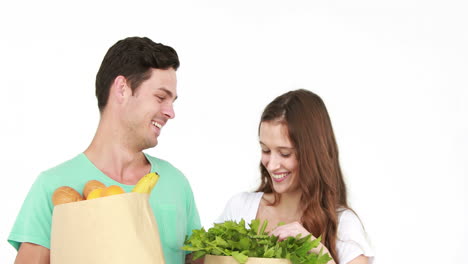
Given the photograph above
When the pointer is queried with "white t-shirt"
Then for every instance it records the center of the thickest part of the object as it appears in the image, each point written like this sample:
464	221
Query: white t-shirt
352	240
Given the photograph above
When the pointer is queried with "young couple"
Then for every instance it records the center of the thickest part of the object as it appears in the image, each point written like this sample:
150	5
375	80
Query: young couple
301	180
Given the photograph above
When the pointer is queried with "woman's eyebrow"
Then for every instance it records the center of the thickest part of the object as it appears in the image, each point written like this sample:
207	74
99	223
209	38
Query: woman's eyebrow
286	148
280	147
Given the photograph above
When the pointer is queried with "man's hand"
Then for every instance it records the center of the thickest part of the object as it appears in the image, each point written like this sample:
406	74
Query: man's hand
188	260
29	253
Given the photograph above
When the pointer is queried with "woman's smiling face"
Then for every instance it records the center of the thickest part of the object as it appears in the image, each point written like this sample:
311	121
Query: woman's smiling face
279	156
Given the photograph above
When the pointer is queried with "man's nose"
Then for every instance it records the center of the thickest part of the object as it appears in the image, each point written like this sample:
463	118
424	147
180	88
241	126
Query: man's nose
168	111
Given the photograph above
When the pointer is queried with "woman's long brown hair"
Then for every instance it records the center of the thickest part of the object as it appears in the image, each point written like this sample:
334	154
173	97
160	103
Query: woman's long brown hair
320	178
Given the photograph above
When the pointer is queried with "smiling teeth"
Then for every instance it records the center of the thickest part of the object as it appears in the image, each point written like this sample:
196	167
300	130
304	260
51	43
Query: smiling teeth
279	176
156	124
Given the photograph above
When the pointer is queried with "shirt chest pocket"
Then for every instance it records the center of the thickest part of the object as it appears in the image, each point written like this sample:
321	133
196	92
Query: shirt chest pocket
172	225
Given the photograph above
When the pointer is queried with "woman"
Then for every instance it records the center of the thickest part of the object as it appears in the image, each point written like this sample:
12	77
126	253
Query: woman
301	180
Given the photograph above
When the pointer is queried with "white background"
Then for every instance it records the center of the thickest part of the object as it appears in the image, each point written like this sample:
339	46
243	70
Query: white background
393	75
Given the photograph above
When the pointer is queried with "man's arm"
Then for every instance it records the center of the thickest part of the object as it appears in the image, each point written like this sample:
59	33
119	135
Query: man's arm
29	253
188	260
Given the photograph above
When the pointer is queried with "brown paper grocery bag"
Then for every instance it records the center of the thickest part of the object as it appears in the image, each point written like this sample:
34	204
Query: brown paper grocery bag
118	229
210	259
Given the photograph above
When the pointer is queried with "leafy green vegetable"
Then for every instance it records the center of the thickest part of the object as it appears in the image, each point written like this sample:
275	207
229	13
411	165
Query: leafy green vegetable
234	239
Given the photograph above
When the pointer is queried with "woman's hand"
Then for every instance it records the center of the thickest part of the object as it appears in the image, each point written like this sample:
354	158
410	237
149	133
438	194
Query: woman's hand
290	230
294	229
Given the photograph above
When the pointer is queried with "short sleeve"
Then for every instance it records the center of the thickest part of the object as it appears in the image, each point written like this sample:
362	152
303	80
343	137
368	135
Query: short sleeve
33	223
193	218
352	239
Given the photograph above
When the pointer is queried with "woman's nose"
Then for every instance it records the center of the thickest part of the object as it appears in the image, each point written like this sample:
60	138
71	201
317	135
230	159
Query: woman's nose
273	163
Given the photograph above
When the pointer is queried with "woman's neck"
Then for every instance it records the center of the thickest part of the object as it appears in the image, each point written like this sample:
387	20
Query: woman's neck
287	210
289	204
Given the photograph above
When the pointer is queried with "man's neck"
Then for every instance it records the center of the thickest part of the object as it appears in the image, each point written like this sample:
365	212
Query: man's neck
116	160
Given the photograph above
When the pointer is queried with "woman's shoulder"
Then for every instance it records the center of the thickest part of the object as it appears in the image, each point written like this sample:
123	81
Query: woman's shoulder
348	221
244	198
347	215
242	205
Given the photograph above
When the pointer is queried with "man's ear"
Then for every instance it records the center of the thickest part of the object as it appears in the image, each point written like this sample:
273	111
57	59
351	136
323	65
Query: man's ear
120	89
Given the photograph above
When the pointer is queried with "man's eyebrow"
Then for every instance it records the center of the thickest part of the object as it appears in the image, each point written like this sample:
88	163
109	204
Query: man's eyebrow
168	92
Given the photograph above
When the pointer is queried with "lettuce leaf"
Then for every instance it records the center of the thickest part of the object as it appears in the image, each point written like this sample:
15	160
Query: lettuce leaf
234	239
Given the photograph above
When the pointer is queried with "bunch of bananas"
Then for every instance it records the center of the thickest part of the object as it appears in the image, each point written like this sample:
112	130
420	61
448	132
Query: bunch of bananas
146	183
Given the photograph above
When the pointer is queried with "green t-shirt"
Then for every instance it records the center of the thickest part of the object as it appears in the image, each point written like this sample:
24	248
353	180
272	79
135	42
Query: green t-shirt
171	200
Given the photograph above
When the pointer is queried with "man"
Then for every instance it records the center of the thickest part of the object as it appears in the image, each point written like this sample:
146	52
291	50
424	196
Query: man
136	89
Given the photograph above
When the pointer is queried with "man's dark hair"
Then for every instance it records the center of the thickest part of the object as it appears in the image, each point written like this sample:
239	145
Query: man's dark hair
132	58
